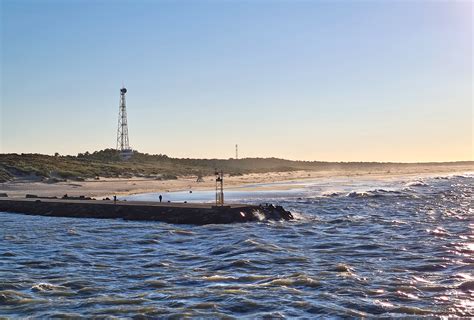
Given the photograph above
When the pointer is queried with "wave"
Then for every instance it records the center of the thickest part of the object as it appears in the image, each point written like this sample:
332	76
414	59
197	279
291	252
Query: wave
466	175
438	232
332	194
219	278
371	193
47	287
11	297
377	193
463	176
418	183
342	268
257	214
409	189
296	280
8	254
358	194
77	284
467	286
157	283
298	216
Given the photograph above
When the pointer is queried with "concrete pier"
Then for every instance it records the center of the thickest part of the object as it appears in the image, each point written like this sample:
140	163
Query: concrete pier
179	213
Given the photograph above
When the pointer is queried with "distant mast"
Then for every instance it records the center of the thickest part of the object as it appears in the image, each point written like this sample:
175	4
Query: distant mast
122	131
236	151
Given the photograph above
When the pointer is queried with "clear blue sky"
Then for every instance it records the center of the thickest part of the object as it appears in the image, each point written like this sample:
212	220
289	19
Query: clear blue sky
312	80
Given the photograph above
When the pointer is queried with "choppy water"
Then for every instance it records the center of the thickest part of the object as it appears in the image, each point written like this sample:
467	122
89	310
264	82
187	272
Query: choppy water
359	248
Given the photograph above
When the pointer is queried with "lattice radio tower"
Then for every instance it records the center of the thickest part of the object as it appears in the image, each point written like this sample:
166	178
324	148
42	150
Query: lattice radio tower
122	131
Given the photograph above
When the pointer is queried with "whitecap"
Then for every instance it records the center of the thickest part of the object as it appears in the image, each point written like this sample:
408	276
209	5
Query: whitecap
357	194
44	286
418	183
219	278
259	215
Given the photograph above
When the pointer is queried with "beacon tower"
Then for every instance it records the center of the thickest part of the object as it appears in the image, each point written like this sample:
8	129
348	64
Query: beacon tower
122	131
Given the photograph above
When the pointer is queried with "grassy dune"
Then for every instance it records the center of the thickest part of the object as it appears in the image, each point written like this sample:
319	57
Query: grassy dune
106	163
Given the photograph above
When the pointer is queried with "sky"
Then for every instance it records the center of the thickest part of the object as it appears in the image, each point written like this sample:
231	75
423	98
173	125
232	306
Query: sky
309	80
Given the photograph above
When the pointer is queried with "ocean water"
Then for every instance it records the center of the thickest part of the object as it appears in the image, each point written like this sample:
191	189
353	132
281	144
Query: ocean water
398	247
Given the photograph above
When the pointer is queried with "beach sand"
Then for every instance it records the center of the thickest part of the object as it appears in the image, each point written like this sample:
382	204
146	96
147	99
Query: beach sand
109	187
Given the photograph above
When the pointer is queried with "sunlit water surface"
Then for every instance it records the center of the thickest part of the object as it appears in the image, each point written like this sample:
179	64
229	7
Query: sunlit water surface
394	247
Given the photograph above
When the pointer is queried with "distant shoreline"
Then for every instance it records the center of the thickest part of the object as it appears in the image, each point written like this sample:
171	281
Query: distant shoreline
112	186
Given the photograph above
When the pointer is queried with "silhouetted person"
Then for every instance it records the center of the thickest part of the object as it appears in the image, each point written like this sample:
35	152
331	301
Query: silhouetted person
160	197
115	199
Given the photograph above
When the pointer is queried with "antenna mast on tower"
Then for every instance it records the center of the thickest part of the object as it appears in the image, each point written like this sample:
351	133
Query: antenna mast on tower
122	131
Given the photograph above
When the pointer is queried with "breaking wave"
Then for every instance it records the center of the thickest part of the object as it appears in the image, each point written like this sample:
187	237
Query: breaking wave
418	183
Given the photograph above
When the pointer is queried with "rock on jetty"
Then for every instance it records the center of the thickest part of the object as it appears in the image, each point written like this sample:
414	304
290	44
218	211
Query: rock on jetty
179	213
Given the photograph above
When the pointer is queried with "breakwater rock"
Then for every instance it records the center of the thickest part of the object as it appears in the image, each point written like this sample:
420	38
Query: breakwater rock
179	213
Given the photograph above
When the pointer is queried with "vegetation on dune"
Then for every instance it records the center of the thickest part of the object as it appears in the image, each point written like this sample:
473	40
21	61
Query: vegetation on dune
5	175
106	163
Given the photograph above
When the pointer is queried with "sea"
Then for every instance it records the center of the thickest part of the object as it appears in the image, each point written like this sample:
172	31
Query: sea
380	247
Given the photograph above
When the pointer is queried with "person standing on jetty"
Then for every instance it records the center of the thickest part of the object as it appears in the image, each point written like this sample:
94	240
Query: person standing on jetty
160	197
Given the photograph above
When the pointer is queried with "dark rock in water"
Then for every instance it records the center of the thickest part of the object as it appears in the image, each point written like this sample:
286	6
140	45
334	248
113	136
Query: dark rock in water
180	213
34	196
66	197
276	213
3	195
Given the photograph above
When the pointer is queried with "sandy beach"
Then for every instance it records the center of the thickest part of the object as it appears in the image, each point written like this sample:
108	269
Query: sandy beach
109	187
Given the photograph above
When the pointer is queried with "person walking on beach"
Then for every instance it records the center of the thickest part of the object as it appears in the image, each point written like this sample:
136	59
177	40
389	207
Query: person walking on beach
161	197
